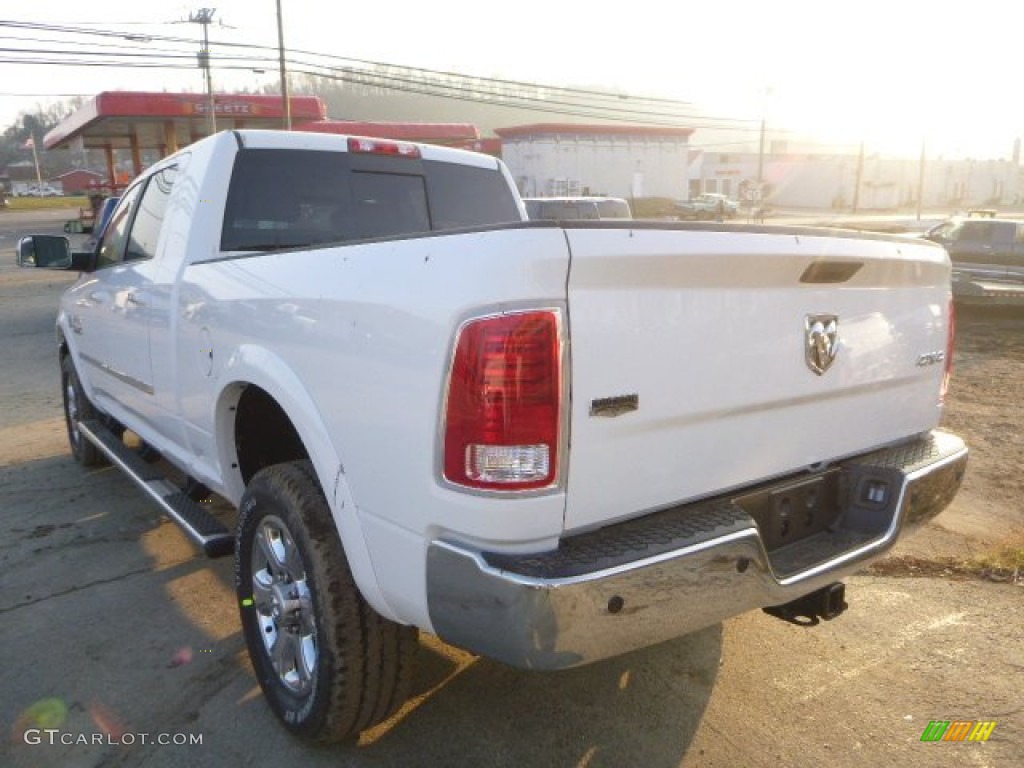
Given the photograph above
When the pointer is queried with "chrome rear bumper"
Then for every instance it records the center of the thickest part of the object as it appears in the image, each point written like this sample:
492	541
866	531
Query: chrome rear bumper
675	571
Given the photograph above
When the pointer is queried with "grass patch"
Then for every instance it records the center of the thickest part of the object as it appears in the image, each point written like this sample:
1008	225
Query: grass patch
1003	563
1006	558
41	203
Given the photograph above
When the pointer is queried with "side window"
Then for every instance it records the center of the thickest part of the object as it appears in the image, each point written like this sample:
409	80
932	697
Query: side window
145	231
977	232
467	196
1003	232
112	247
948	232
286	199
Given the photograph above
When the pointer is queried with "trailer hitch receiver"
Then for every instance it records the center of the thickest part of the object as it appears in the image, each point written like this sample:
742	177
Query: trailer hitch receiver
825	603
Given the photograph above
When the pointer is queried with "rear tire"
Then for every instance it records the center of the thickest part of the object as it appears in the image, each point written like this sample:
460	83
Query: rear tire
77	408
329	665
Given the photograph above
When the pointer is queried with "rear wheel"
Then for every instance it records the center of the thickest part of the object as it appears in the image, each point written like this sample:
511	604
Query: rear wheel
77	408
329	665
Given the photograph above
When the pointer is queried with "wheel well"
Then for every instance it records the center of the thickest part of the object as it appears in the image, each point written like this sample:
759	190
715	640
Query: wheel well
264	435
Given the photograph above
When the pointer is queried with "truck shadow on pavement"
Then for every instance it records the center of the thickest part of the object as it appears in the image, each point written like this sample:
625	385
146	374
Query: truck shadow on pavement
115	617
643	708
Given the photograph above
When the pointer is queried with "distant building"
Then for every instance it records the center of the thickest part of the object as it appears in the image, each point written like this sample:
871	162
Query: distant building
20	177
77	182
489	146
830	181
554	159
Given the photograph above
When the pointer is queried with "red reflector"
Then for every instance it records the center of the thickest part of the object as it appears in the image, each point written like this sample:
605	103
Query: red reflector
378	147
502	422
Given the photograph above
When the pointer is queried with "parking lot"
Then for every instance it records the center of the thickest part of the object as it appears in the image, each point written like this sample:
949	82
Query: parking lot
112	625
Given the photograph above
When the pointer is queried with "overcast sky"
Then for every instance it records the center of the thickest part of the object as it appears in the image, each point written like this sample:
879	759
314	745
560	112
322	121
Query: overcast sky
889	72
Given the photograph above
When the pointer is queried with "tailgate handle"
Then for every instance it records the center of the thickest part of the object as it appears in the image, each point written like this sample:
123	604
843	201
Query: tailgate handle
829	272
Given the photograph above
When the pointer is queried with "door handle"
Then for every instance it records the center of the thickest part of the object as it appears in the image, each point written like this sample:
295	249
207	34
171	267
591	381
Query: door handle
133	299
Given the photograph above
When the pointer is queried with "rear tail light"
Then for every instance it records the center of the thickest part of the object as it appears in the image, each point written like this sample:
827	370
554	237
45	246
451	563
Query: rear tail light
378	147
950	336
503	414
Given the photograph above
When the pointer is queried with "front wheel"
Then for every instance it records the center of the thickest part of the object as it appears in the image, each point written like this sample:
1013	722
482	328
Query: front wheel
329	665
77	408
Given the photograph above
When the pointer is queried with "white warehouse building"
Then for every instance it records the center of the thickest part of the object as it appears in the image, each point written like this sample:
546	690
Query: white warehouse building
886	183
554	159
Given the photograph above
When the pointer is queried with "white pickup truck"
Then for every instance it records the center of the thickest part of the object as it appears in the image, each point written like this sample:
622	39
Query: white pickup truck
547	443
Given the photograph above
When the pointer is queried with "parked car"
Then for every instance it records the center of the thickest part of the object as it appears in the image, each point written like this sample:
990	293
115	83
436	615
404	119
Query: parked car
587	207
987	255
709	205
34	190
611	207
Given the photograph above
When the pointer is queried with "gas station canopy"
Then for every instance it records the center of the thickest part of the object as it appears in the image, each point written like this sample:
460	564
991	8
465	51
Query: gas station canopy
136	120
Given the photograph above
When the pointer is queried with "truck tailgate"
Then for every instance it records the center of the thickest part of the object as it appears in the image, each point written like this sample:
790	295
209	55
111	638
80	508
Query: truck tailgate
691	373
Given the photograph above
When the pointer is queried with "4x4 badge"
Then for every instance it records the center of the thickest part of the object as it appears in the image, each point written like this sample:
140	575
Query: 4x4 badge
821	341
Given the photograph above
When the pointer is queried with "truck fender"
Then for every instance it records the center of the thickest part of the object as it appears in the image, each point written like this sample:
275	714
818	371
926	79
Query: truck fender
254	365
65	333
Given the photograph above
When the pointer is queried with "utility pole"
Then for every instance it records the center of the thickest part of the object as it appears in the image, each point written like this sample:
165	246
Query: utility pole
920	182
760	149
204	16
760	156
284	74
31	143
860	175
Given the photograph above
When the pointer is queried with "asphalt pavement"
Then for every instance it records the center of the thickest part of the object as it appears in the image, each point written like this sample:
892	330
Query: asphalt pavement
117	635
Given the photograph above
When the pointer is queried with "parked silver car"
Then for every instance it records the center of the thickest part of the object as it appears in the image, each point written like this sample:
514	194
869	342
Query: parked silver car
709	205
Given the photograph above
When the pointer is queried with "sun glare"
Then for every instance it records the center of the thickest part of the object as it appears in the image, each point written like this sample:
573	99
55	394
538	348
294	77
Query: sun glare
889	74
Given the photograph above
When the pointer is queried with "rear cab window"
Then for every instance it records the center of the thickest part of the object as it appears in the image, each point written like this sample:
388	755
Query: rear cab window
285	198
614	209
557	210
564	208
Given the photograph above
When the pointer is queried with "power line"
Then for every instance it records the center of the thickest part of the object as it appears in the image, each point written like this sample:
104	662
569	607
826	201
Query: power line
86	63
399	78
21	38
617	97
334	57
378	80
